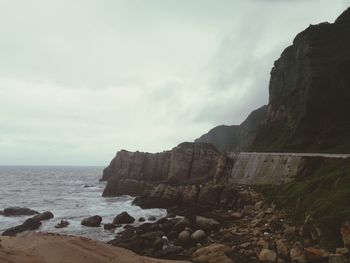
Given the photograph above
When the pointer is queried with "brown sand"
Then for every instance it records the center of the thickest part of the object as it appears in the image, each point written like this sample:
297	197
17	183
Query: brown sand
52	248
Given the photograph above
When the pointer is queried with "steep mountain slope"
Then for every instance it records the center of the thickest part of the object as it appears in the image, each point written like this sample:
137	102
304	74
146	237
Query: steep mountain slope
310	92
309	97
236	137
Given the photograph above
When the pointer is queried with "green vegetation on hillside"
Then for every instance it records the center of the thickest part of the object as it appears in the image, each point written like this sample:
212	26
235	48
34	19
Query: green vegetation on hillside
324	194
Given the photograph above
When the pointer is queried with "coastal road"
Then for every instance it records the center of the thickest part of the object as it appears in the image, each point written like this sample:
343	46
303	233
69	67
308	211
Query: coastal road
326	155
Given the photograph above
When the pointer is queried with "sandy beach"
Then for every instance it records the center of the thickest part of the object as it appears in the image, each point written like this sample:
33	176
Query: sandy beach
53	248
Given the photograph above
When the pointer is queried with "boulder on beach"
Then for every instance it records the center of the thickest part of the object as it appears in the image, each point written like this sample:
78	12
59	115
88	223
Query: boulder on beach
43	216
184	237
123	218
93	221
29	224
198	235
19	211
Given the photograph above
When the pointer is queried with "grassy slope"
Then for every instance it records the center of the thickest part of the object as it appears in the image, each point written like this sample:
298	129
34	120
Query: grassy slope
323	193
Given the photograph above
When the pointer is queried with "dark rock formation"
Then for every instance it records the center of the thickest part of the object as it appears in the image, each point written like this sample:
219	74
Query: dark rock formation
93	221
123	218
236	137
200	195
43	216
29	224
117	186
309	94
19	211
163	237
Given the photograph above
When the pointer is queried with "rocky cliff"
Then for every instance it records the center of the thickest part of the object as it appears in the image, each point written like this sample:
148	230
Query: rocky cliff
309	96
133	172
309	92
195	174
236	137
231	170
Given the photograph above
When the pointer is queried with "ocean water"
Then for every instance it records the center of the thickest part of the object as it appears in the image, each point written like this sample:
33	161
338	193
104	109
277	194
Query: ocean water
63	191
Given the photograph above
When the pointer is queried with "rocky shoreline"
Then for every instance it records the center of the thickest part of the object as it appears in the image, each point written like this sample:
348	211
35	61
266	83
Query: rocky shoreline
253	230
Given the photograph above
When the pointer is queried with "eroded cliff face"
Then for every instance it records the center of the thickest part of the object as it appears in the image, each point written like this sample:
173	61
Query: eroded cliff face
309	92
138	166
185	164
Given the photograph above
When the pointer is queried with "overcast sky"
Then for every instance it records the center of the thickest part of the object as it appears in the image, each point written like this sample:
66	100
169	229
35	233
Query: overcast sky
82	79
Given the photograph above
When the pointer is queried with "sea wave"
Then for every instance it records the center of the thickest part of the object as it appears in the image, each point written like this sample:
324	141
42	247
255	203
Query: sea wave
65	197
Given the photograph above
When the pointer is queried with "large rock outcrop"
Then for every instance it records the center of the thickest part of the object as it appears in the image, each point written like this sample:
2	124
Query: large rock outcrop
134	172
309	95
29	224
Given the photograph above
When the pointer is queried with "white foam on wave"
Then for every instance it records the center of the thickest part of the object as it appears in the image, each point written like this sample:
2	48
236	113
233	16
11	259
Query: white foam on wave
65	197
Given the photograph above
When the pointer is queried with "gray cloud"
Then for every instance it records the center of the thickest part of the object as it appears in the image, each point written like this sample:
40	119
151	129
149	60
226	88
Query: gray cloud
81	79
